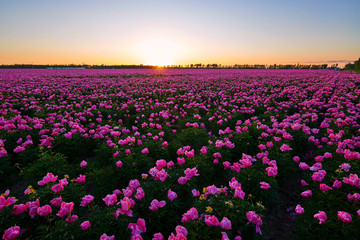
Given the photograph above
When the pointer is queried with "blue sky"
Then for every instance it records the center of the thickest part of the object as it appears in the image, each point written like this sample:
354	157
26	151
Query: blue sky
179	32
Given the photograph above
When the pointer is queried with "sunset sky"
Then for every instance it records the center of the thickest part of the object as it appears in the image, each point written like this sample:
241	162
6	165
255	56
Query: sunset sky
179	32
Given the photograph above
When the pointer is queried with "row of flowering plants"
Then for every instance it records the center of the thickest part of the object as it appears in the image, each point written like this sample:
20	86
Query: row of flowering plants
179	154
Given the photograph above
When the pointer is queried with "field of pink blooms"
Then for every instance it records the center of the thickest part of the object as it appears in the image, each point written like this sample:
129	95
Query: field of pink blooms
179	154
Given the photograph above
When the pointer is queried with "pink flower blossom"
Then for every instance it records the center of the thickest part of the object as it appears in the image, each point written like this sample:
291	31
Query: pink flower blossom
321	216
264	185
272	171
155	204
182	180
171	195
19	209
110	199
189	154
203	150
324	187
48	178
140	194
118	164
56	202
225	224
11	233
255	219
106	237
65	209
195	193
85	225
299	210
158	236
57	188
239	193
145	151
191	214
83	163
318	176
44	210
211	220
33	206
344	216
81	178
307	193
138	227
86	200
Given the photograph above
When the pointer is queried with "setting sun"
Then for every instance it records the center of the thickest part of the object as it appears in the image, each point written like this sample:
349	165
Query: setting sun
158	52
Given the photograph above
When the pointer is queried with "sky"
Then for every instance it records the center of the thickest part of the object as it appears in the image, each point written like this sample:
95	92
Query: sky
167	32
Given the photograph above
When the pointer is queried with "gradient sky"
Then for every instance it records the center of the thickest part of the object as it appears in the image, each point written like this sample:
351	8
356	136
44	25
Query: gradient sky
179	32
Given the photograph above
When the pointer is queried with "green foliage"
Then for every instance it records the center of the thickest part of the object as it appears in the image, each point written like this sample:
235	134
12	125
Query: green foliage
47	162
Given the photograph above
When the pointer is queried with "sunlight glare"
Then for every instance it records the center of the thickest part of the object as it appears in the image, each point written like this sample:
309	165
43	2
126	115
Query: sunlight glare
159	52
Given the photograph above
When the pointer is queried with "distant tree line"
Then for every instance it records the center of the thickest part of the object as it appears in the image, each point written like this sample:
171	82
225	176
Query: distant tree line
352	67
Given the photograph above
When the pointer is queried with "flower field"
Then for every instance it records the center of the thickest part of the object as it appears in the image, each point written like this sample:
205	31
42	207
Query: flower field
179	154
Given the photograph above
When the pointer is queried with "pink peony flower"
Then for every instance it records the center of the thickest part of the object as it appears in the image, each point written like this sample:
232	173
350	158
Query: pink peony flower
321	216
80	179
239	193
19	209
264	185
195	193
56	202
225	224
155	204
83	163
324	187
85	225
344	216
285	147
272	171
65	209
303	166
299	210
182	180
57	188
145	151
19	149
110	199
33	206
71	218
255	219
212	189
192	214
158	236
44	210
140	194
307	193
160	164
190	154
337	184
138	227
181	230
172	195
118	164
318	176
106	237
12	233
211	220
203	150
86	200
126	205
48	178
345	166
